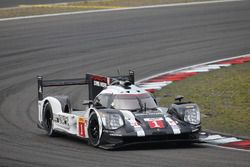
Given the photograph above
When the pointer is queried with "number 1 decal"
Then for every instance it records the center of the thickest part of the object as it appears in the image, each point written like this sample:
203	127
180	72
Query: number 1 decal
81	127
155	122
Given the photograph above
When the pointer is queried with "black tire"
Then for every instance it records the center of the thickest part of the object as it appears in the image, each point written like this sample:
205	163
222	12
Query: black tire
47	120
94	130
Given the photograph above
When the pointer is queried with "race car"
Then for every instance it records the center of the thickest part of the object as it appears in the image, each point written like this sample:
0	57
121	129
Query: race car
118	113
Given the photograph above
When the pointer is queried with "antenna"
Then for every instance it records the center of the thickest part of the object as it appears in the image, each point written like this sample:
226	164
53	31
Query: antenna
118	72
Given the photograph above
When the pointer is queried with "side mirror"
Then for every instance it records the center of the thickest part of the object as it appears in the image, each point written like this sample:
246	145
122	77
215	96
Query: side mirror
179	98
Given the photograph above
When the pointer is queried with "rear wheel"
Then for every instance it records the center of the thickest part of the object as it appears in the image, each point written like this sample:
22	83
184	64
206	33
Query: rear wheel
48	118
94	130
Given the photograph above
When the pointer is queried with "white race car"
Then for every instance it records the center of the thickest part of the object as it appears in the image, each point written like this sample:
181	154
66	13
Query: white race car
118	113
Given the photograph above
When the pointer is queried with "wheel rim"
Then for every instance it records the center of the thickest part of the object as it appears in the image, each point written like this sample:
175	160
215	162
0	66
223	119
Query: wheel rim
48	123
48	118
94	129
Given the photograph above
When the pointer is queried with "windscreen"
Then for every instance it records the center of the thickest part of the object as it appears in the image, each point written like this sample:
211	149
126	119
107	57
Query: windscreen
133	102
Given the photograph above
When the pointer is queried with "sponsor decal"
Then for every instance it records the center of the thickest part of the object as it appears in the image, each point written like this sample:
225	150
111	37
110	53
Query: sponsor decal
155	122
137	127
115	134
171	122
189	107
148	113
100	81
174	126
61	119
99	78
81	126
133	123
100	84
131	119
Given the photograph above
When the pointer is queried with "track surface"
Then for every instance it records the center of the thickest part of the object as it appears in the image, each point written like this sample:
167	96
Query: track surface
13	3
148	41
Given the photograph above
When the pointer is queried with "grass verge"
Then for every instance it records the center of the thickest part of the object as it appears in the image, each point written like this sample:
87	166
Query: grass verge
223	96
28	10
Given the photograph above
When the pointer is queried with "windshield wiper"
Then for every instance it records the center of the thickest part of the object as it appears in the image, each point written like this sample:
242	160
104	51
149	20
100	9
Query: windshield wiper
135	110
154	108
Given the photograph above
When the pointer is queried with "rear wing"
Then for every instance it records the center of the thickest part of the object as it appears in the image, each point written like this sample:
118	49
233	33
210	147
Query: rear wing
96	83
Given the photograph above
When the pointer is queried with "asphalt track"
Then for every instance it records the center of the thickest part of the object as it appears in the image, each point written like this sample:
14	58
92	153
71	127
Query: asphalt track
14	3
148	41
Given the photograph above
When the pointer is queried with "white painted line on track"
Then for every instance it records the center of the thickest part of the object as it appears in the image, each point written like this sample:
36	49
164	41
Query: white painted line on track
218	139
188	68
199	69
212	137
151	87
223	147
205	68
118	9
156	84
212	67
217	66
224	140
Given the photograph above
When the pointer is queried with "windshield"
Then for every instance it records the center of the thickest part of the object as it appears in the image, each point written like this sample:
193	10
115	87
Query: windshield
133	102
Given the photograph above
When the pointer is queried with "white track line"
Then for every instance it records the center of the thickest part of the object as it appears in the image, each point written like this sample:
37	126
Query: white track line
188	68
118	9
164	83
223	140
212	137
151	87
223	147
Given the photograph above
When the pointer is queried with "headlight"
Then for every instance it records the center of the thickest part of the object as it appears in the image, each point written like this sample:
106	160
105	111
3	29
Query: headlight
112	121
192	115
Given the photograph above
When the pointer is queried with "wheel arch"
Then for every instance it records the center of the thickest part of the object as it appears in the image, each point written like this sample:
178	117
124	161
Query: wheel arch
56	104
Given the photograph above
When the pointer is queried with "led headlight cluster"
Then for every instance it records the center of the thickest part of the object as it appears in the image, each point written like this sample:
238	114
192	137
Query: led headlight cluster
112	121
192	115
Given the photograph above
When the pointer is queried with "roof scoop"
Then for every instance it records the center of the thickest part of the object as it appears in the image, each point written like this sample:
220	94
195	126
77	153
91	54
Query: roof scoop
127	84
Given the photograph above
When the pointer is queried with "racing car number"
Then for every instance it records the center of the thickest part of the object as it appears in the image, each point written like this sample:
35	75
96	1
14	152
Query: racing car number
81	127
155	122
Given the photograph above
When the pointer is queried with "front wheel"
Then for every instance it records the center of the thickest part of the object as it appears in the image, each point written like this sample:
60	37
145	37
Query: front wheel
94	130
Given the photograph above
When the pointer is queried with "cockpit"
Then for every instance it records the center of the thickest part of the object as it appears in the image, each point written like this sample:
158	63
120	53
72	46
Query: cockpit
132	102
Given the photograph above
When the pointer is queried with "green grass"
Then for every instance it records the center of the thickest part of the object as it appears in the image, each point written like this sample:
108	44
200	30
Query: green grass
223	96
